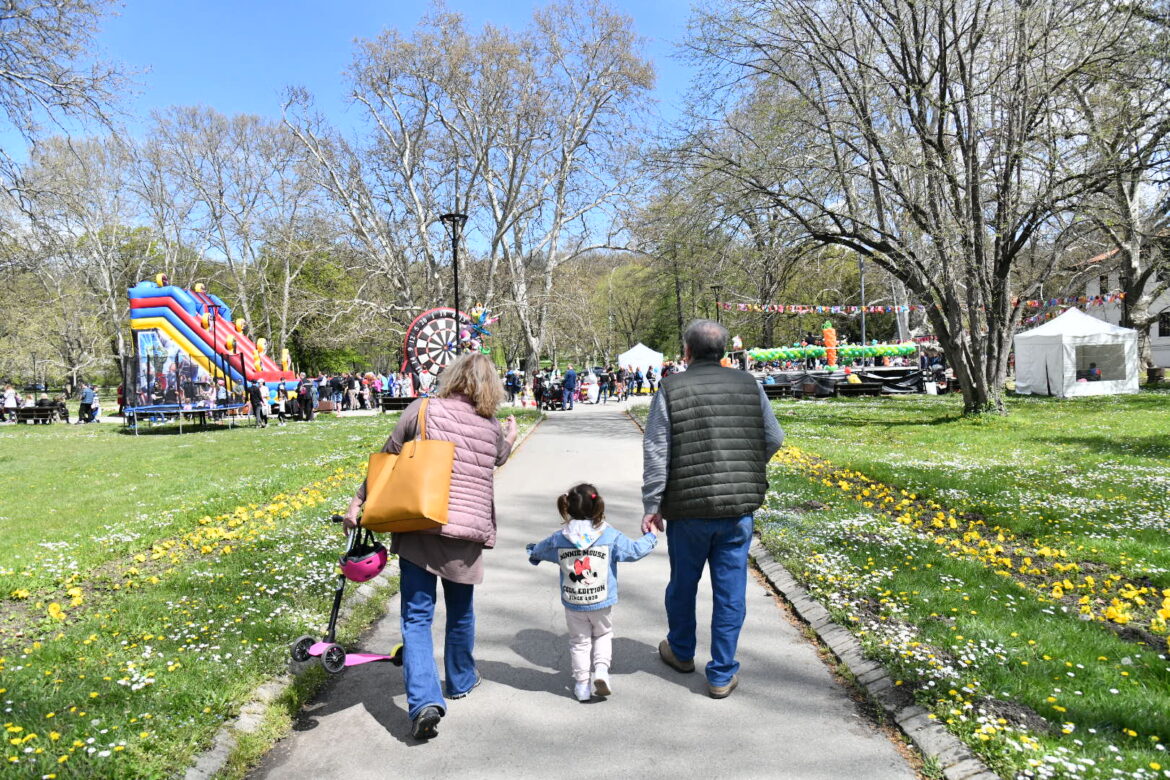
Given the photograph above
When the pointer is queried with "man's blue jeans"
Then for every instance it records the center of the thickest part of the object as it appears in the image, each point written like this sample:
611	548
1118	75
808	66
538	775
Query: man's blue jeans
722	544
417	587
567	396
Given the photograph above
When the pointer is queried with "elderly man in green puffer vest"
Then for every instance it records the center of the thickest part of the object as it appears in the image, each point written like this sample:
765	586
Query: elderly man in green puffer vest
709	436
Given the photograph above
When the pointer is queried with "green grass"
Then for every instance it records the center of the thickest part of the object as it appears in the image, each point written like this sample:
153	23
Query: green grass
1018	672
165	594
97	491
1091	475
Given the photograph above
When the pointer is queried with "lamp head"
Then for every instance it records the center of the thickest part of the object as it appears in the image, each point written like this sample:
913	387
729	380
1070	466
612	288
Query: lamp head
454	220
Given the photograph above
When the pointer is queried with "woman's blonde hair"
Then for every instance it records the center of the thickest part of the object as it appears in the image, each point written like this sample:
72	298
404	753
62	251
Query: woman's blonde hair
474	376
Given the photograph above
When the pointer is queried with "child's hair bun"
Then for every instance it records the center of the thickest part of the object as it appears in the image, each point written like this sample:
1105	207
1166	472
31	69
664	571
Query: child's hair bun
582	502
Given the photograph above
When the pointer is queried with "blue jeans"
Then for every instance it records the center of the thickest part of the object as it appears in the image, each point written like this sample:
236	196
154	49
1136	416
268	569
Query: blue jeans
567	396
722	544
417	587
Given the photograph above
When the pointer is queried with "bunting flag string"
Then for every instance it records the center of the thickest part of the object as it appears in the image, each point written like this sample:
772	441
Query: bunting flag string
800	308
796	308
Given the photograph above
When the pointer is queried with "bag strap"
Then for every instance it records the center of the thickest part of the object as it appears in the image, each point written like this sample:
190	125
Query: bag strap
422	418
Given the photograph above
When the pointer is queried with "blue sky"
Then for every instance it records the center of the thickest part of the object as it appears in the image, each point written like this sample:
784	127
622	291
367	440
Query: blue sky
236	56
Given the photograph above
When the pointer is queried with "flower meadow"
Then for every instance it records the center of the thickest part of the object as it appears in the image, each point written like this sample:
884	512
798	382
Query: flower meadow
1010	572
126	645
131	674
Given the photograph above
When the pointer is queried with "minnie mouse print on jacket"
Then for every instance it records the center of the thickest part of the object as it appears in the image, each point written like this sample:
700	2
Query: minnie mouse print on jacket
588	558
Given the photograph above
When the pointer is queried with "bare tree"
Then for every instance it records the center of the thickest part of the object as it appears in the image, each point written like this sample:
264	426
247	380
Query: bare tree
528	132
935	138
46	71
1127	112
83	217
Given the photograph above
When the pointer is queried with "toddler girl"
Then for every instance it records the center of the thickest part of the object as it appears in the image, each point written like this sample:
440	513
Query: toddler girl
588	551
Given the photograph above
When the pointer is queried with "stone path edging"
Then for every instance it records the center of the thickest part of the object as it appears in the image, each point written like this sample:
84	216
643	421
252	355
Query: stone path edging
212	761
932	739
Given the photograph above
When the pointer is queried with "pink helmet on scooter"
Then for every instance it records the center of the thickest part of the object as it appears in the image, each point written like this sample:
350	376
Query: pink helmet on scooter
365	559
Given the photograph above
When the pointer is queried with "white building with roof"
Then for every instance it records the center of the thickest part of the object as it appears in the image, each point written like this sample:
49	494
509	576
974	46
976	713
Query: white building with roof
1107	282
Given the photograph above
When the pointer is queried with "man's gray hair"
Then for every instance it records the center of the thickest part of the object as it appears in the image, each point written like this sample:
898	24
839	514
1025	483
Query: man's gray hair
706	340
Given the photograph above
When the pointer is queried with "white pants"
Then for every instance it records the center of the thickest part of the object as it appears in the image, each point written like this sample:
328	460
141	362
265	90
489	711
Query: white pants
590	640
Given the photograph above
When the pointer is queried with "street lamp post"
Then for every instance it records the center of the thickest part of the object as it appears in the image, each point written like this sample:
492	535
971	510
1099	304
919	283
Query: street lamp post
454	223
716	289
861	273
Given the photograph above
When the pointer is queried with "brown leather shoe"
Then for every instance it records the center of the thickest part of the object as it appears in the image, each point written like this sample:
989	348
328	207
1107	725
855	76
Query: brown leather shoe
669	659
722	691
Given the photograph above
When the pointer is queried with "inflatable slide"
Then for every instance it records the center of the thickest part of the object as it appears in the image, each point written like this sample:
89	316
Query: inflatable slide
187	340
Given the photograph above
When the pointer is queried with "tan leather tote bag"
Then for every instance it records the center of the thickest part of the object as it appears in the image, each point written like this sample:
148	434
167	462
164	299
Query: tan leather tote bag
409	491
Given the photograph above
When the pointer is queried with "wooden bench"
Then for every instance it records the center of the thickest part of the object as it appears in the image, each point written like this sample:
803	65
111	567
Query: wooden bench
45	415
778	390
858	388
394	403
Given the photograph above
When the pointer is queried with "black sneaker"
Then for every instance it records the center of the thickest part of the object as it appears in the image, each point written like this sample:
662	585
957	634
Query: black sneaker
467	692
426	723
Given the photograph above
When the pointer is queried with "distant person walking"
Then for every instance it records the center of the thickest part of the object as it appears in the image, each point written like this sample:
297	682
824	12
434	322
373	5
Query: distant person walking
85	412
304	401
709	436
463	411
258	397
11	403
282	402
511	385
569	387
603	384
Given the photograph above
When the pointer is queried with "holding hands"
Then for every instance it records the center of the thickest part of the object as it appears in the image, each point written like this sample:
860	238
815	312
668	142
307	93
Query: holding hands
652	522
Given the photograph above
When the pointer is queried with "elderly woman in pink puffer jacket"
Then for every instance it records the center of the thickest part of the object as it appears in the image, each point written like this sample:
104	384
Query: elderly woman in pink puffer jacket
463	412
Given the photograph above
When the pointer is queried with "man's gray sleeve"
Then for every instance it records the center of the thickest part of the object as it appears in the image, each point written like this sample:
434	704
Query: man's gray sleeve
773	435
655	455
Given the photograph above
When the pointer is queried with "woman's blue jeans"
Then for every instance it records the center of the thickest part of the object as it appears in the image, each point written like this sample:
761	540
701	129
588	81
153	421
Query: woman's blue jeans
722	544
417	588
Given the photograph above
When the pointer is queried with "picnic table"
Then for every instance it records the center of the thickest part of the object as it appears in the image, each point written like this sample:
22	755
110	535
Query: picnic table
777	390
393	403
858	388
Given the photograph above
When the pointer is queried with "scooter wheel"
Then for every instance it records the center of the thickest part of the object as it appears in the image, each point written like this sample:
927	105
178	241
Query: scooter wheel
396	655
300	648
333	659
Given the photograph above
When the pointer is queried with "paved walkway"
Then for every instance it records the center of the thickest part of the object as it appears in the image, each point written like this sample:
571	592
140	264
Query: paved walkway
787	719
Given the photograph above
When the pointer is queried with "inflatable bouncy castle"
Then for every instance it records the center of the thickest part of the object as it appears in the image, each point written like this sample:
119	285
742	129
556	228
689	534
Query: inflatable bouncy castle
187	341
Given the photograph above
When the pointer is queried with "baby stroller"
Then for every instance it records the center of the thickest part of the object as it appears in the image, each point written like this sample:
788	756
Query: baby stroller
364	559
552	396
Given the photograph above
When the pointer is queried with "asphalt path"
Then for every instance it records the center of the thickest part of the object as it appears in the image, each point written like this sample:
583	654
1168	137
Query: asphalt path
787	719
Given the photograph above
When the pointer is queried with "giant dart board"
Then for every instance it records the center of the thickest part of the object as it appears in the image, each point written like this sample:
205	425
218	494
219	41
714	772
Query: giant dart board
432	340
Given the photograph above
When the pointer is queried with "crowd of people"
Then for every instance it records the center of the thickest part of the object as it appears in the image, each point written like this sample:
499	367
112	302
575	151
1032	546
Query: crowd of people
303	397
551	388
90	410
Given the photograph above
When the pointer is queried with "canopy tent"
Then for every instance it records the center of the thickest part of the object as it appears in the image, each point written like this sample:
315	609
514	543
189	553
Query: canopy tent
1074	355
641	356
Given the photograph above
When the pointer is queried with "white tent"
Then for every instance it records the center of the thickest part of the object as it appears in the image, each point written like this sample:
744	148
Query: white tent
641	356
1076	354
